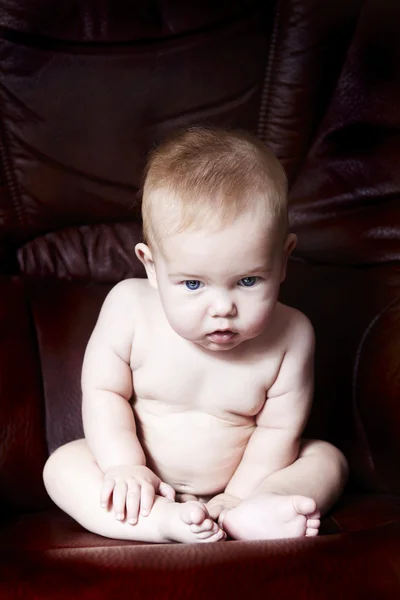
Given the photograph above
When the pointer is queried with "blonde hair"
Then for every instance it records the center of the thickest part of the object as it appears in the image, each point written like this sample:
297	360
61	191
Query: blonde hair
202	177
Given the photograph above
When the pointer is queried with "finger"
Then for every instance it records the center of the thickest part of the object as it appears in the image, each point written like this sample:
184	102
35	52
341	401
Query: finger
215	501
119	499
214	511
106	492
166	490
133	502
146	498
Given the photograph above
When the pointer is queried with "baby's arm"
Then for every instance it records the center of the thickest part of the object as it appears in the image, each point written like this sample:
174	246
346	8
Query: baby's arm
275	442
108	419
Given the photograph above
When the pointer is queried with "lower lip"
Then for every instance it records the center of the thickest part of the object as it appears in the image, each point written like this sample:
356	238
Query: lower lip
221	337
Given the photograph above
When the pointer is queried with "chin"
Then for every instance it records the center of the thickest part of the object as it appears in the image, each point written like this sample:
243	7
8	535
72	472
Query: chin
214	347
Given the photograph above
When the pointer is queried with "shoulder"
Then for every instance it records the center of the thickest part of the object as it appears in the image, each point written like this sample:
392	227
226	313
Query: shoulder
123	304
127	290
298	342
126	295
296	329
122	309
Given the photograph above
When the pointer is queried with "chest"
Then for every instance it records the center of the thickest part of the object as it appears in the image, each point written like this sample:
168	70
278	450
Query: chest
182	378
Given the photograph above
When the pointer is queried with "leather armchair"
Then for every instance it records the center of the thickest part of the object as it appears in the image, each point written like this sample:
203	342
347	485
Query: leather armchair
86	90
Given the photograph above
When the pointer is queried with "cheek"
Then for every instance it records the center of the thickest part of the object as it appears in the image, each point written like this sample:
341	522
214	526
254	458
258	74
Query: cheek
183	316
259	313
258	322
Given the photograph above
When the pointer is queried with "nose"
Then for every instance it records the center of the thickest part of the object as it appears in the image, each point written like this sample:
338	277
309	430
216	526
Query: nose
222	305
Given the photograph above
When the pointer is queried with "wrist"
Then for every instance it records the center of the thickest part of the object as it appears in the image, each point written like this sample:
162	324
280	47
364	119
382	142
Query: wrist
106	466
127	450
235	492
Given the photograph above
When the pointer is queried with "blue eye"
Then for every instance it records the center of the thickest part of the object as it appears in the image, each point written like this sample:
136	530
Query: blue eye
248	281
192	284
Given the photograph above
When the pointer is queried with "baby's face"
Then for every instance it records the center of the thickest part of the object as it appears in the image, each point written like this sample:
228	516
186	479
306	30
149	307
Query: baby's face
220	289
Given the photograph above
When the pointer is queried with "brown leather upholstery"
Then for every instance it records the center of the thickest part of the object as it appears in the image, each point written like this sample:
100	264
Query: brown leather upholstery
86	90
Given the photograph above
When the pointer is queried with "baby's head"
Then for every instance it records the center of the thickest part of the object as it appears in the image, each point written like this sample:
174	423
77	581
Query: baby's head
206	178
215	226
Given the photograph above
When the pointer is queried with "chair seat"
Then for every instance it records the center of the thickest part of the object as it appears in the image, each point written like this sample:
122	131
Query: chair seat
53	529
47	555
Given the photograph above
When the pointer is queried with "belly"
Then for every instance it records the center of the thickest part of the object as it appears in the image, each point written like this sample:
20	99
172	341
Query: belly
194	451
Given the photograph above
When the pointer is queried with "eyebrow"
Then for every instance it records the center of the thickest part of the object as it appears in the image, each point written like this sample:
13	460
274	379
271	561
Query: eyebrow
260	269
246	273
185	275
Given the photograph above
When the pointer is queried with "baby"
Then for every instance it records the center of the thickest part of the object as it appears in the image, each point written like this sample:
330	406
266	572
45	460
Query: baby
197	383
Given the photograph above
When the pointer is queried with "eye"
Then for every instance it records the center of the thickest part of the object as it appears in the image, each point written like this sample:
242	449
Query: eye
192	284
248	281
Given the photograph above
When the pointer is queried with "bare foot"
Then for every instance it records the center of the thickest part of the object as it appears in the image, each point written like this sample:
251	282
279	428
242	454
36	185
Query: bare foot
190	523
271	516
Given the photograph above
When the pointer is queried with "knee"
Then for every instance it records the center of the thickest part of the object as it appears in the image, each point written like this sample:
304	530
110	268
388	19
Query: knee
338	461
52	470
333	458
57	468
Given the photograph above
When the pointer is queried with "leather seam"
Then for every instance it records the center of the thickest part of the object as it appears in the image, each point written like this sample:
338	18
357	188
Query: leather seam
54	44
267	87
356	412
10	181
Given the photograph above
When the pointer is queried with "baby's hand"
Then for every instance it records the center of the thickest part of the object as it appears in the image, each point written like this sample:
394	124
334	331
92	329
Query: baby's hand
220	504
132	489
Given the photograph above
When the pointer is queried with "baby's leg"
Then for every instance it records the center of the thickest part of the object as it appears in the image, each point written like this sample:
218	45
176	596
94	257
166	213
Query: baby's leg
73	481
290	502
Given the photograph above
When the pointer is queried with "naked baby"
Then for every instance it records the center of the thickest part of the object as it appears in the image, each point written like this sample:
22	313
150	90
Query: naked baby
197	383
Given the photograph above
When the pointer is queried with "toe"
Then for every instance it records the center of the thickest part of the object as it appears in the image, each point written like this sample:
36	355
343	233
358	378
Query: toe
304	505
203	535
206	525
311	532
214	537
221	517
313	523
315	515
193	513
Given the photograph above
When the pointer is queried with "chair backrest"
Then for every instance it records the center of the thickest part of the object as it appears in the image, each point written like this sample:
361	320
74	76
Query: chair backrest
87	89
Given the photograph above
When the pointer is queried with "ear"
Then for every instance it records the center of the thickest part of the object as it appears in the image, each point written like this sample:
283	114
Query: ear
288	248
145	256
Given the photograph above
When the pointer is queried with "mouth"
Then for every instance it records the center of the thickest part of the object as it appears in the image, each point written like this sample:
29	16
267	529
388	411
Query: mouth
221	337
